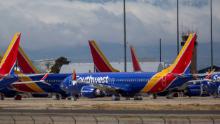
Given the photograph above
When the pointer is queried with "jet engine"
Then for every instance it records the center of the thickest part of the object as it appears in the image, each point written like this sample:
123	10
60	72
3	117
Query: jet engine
91	92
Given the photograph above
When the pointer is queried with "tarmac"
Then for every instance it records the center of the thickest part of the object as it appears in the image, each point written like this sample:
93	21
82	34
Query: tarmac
182	103
194	110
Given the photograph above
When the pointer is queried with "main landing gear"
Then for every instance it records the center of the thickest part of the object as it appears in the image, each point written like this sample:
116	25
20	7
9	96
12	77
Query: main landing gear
115	97
138	97
2	96
18	97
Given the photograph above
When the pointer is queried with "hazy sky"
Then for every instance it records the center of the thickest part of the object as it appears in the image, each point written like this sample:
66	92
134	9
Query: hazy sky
53	28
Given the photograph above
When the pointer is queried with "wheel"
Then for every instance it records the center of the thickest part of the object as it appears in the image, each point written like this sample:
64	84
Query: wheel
18	97
138	97
58	97
154	96
115	97
2	96
127	98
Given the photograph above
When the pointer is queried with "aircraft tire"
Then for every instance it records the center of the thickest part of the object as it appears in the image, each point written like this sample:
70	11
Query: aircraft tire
154	96
115	97
2	96
138	97
18	97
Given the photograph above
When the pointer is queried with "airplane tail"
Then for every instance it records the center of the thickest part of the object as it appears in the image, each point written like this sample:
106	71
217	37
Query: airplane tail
101	62
9	59
135	62
25	63
160	81
183	60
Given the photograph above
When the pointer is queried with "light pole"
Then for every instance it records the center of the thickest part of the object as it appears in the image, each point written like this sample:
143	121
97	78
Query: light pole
177	25
211	36
160	50
125	42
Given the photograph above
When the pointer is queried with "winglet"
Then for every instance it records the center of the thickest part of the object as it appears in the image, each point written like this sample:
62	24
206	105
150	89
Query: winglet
209	74
135	62
74	75
10	56
44	77
101	62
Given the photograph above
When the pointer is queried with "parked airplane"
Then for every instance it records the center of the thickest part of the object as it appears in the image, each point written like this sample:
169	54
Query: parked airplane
23	66
130	84
210	85
7	64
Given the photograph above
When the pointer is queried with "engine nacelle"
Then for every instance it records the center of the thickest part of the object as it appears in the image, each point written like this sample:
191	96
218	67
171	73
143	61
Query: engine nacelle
91	92
194	90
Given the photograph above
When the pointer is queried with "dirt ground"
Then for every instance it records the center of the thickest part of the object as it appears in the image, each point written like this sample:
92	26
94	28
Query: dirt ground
185	103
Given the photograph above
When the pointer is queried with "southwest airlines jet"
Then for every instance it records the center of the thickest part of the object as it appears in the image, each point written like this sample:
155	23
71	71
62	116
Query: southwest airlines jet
23	62
128	84
7	65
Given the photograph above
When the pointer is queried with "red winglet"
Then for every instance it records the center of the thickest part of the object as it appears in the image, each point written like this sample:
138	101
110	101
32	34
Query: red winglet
45	76
74	75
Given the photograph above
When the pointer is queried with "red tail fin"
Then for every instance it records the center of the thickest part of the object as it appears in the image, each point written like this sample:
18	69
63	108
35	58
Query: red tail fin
160	81
99	59
25	63
10	56
183	60
136	65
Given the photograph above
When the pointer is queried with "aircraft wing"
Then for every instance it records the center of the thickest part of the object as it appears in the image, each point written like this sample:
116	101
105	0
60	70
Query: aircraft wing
29	82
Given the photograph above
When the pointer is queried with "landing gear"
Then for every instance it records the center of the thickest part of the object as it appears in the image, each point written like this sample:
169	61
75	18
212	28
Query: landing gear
18	97
115	97
154	96
127	98
57	96
2	96
170	95
138	97
73	97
